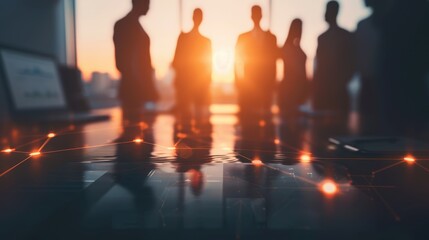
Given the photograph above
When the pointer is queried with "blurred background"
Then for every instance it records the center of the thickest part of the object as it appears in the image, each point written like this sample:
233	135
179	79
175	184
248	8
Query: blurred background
223	21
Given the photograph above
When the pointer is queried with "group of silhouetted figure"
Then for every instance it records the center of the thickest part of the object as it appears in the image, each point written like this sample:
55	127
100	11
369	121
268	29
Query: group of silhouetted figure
389	51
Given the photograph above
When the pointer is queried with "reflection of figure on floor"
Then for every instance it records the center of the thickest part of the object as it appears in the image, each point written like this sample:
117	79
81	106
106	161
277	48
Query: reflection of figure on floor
256	142
256	55
193	65
192	152
335	66
133	164
133	60
294	88
292	136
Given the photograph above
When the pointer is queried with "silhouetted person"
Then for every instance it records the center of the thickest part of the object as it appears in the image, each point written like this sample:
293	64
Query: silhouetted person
399	88
405	62
193	65
256	55
133	165
335	66
368	42
133	60
294	88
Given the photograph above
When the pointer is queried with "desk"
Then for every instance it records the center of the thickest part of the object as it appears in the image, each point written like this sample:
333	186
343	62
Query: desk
231	181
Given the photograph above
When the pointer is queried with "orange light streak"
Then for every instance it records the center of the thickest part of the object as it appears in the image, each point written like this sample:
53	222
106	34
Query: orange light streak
35	154
51	135
8	150
409	159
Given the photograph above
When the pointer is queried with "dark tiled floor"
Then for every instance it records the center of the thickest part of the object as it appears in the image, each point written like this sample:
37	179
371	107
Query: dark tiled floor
232	182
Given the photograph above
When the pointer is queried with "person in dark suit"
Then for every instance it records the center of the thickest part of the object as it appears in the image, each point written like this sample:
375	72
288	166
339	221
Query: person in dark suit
193	66
133	60
294	88
256	56
335	66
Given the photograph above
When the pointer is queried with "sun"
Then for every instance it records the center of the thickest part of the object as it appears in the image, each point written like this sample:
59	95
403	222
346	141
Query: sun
223	61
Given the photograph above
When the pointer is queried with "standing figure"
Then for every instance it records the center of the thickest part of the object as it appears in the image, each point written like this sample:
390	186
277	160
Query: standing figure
133	60
294	88
193	66
368	43
335	66
255	70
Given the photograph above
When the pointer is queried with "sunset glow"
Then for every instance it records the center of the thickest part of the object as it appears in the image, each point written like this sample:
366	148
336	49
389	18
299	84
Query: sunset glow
223	21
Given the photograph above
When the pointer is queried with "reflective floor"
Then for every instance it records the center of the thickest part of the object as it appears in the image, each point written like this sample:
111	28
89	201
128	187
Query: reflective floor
229	180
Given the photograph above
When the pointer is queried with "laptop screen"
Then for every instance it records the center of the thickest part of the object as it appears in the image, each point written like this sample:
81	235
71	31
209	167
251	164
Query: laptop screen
33	80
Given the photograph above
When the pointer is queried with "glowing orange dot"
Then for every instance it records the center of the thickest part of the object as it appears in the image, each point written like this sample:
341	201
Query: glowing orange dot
35	154
277	141
182	135
138	140
257	162
143	125
51	135
9	150
262	123
409	159
305	158
329	188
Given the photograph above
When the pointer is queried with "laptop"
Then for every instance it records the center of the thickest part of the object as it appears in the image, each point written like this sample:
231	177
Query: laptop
35	91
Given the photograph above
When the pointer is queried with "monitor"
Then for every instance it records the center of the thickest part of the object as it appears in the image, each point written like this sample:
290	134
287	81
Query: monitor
33	80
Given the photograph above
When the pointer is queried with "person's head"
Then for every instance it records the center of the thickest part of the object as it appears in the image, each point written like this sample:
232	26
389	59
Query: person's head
332	9
141	7
256	14
295	32
198	17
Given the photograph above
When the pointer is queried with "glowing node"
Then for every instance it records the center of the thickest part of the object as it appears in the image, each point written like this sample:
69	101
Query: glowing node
143	125
9	150
257	162
182	135
409	159
277	141
305	158
172	148
138	140
329	188
35	154
262	123
51	135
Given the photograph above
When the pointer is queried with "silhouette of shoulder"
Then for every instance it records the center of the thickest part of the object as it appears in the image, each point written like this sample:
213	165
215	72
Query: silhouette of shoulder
191	36
122	23
244	36
335	33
